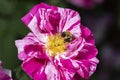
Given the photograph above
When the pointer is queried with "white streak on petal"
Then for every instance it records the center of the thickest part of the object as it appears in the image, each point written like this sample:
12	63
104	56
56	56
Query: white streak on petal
34	28
51	72
76	32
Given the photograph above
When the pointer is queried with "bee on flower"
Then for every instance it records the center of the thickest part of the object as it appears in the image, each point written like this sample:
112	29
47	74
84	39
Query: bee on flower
58	46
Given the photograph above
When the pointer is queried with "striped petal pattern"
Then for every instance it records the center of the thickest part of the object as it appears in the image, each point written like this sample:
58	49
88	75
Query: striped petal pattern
79	57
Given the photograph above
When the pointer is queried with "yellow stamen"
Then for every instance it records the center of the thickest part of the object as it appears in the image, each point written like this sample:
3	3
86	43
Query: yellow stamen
55	45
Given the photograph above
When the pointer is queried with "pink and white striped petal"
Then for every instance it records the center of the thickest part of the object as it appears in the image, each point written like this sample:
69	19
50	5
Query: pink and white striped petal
69	21
34	68
74	47
28	45
87	67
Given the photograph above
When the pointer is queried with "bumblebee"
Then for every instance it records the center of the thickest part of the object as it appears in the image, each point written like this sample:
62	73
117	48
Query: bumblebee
67	36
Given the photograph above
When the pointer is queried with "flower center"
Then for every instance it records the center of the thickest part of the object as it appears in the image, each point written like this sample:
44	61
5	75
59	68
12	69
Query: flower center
56	44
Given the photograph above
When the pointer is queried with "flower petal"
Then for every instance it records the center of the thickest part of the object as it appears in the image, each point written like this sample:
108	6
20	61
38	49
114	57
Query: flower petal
74	47
87	67
88	52
67	74
42	19
77	77
29	16
52	72
33	25
69	64
29	46
34	68
86	33
70	20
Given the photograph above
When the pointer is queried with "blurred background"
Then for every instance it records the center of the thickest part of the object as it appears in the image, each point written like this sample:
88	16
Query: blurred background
102	17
